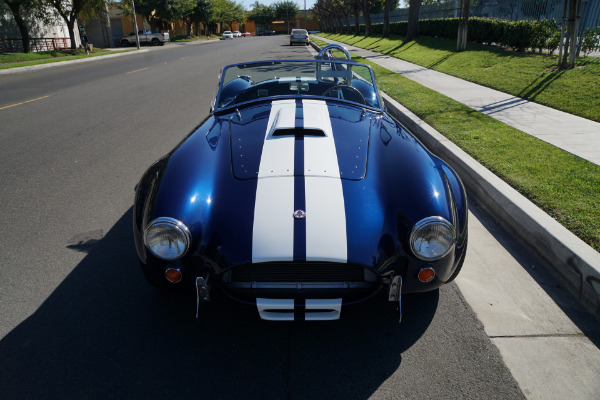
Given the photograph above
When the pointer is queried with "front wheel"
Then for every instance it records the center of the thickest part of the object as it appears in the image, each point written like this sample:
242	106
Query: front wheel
124	43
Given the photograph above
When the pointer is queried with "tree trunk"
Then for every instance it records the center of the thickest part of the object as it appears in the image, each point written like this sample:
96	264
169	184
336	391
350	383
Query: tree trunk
463	25
413	20
386	18
571	38
71	27
561	46
348	25
356	19
14	8
367	16
574	47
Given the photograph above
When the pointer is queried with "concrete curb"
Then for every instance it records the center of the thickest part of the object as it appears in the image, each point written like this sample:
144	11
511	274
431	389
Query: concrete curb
571	260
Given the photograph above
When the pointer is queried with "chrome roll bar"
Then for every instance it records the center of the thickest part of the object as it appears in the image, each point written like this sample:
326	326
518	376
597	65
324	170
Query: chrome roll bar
326	52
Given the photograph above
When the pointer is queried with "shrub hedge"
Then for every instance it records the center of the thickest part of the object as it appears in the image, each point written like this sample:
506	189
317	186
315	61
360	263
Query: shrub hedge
517	35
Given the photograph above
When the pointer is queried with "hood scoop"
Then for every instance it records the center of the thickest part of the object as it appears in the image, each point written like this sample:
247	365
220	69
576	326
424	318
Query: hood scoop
297	131
310	138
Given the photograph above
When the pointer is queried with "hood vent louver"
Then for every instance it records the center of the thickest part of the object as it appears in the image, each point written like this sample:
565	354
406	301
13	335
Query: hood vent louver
293	131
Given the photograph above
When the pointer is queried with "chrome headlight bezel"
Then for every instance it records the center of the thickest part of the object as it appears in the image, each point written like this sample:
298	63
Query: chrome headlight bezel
178	230
424	227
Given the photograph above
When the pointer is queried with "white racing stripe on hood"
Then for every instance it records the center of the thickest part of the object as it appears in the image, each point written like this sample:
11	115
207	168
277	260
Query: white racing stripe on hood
325	211
273	233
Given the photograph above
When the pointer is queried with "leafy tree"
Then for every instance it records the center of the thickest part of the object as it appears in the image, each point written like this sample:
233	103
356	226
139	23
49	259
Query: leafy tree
286	10
23	11
590	41
196	13
71	10
146	9
262	14
202	13
228	12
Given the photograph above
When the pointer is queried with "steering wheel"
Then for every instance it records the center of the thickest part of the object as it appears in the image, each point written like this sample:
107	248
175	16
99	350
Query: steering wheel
325	93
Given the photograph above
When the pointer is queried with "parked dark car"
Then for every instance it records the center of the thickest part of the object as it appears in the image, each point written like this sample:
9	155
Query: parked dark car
299	194
266	33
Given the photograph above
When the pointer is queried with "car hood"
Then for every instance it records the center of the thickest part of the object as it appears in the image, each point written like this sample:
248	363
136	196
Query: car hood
310	138
300	189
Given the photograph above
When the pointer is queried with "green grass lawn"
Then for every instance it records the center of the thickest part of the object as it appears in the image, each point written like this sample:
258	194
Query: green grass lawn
14	60
563	185
530	76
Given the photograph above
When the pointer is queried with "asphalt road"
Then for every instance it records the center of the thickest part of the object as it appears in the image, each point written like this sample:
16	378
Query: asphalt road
77	319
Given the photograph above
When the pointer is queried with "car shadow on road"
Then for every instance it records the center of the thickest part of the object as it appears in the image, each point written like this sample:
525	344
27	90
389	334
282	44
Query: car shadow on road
105	333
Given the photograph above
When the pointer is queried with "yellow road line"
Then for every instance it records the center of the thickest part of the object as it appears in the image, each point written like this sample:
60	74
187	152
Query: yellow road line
137	70
23	102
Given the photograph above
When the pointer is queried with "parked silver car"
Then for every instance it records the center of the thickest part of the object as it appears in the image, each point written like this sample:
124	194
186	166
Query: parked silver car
299	36
227	35
146	36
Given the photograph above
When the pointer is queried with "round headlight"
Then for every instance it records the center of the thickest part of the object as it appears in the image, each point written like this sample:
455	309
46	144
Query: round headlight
167	238
432	238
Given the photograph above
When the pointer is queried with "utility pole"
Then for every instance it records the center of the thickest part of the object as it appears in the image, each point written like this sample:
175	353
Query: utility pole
304	14
137	35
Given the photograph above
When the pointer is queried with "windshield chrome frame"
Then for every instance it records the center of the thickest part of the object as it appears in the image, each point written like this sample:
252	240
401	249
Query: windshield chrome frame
214	109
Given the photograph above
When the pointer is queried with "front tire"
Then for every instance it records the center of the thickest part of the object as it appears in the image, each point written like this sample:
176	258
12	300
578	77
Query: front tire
124	43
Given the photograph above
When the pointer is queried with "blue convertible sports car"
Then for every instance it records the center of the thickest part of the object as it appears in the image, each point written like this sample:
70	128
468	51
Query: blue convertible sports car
300	194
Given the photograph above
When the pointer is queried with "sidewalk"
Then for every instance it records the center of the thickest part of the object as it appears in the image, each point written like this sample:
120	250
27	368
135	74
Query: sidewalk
576	135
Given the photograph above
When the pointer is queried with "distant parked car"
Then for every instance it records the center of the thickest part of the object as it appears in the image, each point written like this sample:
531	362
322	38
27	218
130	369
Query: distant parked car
313	32
267	33
245	34
146	36
227	35
237	34
299	36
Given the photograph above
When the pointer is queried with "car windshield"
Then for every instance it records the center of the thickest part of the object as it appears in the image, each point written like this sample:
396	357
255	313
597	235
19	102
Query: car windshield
342	80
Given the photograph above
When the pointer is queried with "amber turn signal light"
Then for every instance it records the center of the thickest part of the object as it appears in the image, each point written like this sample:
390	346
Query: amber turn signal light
173	275
426	274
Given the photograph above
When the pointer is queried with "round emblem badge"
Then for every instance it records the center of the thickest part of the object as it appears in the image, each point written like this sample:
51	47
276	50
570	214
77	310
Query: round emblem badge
299	214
